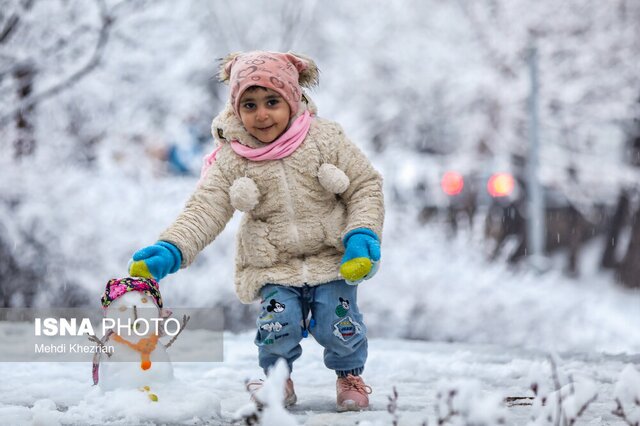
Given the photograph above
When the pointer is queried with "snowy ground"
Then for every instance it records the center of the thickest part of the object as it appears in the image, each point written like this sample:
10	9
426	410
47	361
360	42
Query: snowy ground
431	286
211	393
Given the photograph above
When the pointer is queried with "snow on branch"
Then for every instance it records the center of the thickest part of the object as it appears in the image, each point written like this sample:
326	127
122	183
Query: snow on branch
12	22
103	36
563	403
627	396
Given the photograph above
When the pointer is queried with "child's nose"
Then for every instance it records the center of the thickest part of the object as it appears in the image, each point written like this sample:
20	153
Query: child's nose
262	114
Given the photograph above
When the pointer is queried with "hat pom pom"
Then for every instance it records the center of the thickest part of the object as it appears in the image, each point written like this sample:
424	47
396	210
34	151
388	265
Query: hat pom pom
224	73
333	179
309	74
244	194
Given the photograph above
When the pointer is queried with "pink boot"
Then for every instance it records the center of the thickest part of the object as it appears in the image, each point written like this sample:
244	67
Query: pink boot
352	393
290	398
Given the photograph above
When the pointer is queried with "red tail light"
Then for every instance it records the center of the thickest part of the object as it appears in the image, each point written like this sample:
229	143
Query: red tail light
500	185
452	183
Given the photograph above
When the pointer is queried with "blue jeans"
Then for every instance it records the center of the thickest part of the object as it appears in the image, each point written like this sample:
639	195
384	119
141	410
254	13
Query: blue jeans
335	323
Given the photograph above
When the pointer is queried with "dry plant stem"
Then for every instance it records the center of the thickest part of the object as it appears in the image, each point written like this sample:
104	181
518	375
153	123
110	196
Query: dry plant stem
392	407
451	412
584	407
560	417
556	383
619	412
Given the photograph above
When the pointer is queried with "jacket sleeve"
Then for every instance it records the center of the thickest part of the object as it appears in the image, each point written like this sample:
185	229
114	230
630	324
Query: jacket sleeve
363	198
204	216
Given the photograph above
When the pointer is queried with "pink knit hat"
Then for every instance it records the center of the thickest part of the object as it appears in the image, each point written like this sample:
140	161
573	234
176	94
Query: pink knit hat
283	72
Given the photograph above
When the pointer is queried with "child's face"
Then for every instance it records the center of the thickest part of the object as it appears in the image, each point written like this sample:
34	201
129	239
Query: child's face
264	113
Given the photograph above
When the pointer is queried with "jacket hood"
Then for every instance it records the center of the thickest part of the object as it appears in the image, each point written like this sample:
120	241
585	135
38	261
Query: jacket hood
226	126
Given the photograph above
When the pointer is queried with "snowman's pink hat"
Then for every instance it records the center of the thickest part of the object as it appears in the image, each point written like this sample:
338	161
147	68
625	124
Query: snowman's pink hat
118	286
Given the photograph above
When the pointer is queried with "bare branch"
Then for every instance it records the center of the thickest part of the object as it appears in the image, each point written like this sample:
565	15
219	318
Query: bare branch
558	386
128	6
13	21
494	56
619	412
100	343
586	405
9	28
59	44
392	406
185	320
451	412
73	79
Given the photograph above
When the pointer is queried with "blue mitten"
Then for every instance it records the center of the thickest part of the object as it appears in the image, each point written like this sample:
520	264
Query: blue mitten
156	261
361	257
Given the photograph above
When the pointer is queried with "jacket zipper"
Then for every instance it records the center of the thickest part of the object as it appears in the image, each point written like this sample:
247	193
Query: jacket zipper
292	213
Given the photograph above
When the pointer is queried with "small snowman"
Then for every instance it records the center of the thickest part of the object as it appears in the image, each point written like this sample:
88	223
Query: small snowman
139	359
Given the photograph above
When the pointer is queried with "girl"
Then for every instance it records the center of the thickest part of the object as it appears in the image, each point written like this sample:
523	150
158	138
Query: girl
313	213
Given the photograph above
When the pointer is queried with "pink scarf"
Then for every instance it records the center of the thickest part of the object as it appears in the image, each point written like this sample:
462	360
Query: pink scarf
282	147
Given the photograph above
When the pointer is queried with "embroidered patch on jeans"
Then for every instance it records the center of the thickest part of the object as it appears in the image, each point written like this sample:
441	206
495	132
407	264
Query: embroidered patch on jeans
343	308
266	316
275	306
273	326
346	328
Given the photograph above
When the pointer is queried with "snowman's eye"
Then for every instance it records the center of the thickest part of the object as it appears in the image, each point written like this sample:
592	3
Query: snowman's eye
122	308
143	300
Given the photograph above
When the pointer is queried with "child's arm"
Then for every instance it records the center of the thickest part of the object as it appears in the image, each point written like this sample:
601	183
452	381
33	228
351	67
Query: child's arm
363	198
365	206
205	215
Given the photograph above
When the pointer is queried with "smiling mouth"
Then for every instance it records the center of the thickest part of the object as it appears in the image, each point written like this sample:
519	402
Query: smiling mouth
265	128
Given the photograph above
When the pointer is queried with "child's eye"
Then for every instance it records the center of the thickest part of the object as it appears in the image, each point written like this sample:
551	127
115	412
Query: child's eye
273	102
248	105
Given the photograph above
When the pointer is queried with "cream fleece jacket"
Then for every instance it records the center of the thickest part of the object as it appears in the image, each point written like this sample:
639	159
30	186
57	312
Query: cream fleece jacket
297	209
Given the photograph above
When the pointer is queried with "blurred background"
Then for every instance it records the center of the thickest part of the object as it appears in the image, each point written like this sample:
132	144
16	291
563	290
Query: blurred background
507	132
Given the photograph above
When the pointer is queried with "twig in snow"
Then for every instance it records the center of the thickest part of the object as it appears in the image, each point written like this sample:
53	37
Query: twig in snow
556	384
450	410
584	408
513	401
392	406
619	412
560	417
